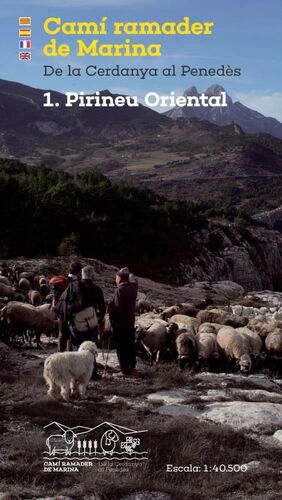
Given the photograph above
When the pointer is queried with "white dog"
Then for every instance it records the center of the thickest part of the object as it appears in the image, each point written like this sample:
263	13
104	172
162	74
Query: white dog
68	371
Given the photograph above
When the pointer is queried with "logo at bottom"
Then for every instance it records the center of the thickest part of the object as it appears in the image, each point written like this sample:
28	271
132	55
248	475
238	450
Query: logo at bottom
106	441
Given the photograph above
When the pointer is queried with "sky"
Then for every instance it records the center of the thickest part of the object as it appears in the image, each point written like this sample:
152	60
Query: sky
246	35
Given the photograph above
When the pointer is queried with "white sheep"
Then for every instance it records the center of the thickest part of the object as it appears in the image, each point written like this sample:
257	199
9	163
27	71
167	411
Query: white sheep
183	319
143	305
155	338
149	315
209	327
66	372
246	311
277	315
48	311
141	296
207	348
222	317
261	327
167	312
273	342
235	346
146	320
254	339
34	298
181	308
21	317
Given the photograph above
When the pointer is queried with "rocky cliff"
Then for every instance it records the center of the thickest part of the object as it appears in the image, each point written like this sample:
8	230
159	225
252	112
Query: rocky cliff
272	218
249	256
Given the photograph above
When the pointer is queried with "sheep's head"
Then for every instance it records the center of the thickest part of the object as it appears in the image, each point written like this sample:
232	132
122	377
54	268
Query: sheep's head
245	363
173	327
186	361
187	350
88	346
111	436
139	333
69	437
167	313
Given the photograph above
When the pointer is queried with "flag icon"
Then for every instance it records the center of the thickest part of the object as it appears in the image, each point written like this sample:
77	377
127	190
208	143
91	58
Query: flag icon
24	21
25	33
25	56
25	44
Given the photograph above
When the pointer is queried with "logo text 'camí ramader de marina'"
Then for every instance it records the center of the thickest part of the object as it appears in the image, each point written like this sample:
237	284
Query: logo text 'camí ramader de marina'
69	448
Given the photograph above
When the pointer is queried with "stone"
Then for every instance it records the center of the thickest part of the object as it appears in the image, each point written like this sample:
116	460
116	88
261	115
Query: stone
237	414
254	464
278	435
148	495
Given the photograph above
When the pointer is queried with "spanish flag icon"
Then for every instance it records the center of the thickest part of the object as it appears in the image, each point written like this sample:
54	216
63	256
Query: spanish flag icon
24	21
24	33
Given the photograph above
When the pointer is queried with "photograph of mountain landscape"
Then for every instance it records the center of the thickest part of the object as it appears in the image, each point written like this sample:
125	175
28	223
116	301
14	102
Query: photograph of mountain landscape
141	180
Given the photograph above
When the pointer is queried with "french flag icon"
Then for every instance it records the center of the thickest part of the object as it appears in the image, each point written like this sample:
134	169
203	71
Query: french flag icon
25	44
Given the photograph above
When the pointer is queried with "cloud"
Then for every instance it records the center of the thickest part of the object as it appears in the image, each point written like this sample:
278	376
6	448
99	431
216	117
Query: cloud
267	103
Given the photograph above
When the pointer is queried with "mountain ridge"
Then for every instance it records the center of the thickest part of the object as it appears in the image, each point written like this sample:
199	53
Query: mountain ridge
249	120
187	159
27	101
22	110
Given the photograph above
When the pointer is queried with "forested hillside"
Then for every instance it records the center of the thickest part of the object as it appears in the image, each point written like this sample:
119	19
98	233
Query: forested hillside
46	212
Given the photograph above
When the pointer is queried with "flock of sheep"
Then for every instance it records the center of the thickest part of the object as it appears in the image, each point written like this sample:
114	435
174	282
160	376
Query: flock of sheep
213	339
26	310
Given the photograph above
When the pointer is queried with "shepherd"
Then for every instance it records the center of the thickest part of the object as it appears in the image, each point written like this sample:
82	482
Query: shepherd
82	308
122	316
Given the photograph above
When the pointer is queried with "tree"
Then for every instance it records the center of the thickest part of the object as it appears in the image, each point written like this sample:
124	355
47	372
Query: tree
69	245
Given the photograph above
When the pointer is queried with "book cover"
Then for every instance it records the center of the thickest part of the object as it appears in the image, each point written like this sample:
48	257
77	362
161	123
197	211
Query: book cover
140	250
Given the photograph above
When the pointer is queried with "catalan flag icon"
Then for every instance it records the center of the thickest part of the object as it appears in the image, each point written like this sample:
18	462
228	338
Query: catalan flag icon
25	33
24	21
25	44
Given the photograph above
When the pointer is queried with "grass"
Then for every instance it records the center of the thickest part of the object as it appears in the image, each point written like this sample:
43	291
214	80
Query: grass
178	441
170	440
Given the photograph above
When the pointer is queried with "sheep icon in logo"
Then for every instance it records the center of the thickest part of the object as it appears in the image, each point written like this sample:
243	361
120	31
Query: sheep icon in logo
61	443
105	441
109	441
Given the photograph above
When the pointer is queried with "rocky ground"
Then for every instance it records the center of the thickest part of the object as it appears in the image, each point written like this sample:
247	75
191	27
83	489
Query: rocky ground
206	420
158	293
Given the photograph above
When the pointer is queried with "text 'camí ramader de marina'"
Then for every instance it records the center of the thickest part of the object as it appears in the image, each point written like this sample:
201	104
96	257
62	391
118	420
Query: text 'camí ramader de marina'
56	26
